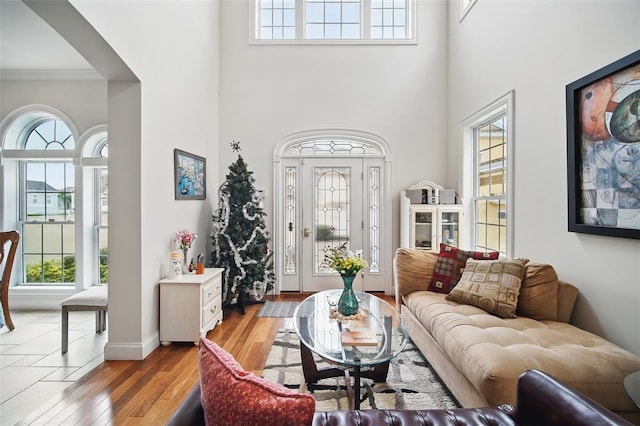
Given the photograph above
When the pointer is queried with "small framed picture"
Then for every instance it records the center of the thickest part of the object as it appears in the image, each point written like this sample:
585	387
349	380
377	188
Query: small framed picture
190	176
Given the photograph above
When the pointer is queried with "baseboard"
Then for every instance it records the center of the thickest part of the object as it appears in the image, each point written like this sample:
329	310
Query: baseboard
131	351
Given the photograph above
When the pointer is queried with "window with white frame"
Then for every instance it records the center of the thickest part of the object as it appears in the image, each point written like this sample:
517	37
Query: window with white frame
42	171
336	20
101	215
488	153
48	230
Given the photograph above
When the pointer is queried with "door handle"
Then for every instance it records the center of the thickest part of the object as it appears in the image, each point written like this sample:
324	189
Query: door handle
306	232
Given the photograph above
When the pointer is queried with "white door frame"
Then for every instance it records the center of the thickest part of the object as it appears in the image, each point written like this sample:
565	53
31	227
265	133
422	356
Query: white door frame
367	146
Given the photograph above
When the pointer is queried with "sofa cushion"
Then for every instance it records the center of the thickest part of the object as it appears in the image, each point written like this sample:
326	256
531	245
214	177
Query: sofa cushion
231	395
491	352
493	285
538	297
448	269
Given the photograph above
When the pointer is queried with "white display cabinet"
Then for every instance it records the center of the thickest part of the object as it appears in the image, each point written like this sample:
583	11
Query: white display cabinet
425	226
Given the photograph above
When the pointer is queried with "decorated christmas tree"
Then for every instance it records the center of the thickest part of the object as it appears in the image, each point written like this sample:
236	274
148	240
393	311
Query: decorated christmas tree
240	238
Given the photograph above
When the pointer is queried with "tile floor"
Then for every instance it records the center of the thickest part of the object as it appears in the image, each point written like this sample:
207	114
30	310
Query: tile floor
32	368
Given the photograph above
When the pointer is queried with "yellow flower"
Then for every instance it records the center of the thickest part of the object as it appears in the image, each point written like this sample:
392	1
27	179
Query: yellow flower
344	261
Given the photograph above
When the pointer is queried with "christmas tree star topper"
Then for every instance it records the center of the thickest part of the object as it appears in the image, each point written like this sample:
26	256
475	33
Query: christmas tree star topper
235	146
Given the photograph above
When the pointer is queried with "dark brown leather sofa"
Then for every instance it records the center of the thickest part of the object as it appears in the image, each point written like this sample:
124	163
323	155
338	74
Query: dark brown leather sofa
541	400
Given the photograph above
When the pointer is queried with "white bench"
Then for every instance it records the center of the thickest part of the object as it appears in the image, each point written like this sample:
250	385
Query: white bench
92	299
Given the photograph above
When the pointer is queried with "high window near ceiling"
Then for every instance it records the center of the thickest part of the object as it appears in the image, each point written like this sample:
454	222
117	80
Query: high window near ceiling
488	169
380	21
53	182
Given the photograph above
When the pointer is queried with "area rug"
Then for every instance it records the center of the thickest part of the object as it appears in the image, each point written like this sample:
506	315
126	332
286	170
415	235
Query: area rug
278	309
411	384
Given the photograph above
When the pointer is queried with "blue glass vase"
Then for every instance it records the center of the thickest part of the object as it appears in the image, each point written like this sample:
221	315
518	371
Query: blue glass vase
348	303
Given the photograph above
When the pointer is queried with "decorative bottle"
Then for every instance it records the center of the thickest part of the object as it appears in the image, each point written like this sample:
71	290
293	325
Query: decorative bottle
176	264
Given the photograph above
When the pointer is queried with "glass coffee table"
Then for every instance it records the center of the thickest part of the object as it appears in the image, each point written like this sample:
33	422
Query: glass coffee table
321	334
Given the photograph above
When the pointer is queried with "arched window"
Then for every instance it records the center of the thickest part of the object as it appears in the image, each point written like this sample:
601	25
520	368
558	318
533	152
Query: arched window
54	181
101	213
50	134
95	151
47	205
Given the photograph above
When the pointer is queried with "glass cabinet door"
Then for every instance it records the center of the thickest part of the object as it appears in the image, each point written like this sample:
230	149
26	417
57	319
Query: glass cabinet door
450	227
423	230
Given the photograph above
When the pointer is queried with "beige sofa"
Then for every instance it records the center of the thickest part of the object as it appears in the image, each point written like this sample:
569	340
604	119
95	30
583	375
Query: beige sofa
480	356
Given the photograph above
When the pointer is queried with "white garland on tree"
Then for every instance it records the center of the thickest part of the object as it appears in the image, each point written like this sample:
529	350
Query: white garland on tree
257	288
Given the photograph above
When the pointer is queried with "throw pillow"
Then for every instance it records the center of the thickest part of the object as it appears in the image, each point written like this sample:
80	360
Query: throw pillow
233	396
491	285
539	293
448	269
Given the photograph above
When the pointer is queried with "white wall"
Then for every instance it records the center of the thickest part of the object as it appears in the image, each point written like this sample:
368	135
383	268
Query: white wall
395	91
82	101
536	48
172	47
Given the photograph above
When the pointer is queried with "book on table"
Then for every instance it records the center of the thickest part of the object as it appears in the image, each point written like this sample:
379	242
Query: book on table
358	338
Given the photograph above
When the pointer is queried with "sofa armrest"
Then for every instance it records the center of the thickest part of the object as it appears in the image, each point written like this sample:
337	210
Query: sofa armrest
412	271
190	412
542	400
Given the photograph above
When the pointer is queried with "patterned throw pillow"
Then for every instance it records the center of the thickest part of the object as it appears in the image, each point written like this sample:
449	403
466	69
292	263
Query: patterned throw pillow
449	266
233	396
491	285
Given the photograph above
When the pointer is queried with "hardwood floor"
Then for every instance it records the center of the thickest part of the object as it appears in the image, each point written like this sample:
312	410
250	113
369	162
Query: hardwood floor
147	392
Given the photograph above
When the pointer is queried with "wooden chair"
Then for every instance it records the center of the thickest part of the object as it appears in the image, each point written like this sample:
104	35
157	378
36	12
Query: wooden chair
11	237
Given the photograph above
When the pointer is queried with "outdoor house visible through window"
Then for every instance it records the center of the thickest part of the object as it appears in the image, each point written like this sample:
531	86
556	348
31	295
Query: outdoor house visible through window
48	207
56	182
487	164
335	20
491	185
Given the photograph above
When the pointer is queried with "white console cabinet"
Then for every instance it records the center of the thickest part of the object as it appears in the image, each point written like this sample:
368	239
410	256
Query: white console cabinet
190	306
425	226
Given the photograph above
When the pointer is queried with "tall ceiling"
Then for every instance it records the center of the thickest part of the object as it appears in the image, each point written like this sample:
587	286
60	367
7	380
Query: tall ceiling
30	47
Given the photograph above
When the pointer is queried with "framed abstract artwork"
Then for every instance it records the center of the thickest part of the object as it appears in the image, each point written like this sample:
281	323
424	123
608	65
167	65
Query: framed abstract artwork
190	176
603	150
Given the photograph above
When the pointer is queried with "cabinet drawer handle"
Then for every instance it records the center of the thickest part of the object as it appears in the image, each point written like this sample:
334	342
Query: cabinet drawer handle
210	294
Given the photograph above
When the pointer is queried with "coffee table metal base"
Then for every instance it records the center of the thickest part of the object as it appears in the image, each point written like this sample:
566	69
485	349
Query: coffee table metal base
312	374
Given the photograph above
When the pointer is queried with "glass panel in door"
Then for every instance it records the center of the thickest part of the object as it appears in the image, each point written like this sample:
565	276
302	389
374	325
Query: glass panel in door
332	216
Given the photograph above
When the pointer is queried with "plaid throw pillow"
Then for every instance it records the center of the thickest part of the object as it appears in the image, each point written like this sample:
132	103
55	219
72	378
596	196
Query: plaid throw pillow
449	266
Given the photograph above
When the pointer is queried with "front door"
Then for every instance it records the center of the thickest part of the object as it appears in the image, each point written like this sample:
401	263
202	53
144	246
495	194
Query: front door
329	192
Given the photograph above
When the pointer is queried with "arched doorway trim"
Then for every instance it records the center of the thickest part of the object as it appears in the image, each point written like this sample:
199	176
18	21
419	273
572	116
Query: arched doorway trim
289	157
